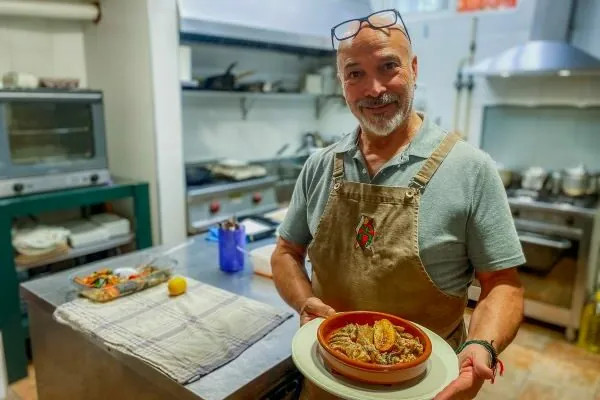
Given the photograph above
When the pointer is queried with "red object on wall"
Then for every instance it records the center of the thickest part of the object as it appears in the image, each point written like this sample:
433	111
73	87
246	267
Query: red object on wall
483	5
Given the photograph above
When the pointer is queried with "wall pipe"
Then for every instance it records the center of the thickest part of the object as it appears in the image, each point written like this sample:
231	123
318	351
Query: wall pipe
470	85
465	83
43	9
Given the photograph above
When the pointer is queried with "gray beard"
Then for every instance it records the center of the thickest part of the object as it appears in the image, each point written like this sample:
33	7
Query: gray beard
383	125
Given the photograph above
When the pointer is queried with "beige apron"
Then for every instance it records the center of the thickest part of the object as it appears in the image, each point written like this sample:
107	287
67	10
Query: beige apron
365	255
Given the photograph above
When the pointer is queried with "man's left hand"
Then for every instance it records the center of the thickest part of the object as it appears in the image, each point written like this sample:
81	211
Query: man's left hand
474	370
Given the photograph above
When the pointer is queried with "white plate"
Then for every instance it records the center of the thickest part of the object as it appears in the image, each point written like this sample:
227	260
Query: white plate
442	369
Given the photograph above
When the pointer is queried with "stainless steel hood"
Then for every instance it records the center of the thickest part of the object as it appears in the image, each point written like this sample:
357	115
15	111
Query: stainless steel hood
299	26
549	50
539	57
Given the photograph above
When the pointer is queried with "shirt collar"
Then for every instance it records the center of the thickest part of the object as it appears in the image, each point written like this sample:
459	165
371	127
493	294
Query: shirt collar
423	144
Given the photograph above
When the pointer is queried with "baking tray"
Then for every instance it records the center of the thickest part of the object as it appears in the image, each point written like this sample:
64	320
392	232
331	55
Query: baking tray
269	228
164	268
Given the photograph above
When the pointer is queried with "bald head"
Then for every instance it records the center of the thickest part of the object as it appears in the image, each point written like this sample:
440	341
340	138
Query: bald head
378	71
371	39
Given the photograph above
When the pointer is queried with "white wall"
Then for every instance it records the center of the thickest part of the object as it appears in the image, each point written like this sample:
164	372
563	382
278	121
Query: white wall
586	33
42	47
133	64
166	93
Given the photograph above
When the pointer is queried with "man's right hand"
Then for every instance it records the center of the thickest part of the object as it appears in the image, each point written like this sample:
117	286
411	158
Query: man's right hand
314	308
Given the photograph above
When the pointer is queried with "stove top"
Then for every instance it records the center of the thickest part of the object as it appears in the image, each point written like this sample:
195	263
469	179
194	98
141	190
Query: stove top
590	202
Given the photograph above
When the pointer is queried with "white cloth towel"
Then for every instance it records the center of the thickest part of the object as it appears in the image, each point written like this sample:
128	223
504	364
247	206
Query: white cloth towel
185	337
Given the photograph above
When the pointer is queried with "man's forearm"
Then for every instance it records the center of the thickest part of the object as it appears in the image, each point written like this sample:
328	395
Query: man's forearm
290	278
498	315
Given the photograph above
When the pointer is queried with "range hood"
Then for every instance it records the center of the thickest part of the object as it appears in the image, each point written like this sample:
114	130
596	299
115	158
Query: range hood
301	27
549	50
539	58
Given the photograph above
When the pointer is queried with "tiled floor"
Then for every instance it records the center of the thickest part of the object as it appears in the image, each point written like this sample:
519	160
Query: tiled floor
540	364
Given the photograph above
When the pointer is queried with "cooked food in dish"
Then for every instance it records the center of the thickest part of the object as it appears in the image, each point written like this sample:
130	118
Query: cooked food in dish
383	343
99	279
105	278
145	277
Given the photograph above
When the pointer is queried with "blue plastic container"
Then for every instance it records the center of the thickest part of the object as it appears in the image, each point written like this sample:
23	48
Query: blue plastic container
232	249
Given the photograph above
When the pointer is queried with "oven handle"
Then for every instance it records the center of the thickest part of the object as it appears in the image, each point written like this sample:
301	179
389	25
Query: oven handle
561	244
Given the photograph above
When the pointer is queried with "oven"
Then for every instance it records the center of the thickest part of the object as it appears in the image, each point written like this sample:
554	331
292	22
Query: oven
555	234
51	139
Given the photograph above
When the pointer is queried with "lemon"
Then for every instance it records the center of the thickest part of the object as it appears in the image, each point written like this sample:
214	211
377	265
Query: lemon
177	285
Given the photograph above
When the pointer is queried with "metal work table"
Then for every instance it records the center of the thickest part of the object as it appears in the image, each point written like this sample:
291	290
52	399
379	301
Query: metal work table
12	325
69	364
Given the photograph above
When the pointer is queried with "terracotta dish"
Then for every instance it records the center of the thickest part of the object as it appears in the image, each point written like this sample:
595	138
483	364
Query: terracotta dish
367	372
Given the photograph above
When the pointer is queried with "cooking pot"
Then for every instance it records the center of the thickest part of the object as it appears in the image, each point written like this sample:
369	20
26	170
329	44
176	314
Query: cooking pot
534	178
554	184
578	181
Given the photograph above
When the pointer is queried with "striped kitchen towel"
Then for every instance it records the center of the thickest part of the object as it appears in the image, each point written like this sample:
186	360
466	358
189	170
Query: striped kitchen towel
185	337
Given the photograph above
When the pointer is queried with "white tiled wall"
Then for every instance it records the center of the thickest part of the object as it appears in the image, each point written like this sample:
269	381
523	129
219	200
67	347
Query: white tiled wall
42	47
215	128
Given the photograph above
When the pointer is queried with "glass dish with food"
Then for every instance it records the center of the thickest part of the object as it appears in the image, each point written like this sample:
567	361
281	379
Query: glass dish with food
108	283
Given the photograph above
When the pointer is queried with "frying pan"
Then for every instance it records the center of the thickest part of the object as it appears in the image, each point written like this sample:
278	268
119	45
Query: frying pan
225	81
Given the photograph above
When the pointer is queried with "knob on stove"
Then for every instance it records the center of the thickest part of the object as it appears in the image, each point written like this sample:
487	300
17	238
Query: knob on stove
256	198
570	221
215	207
18	187
94	178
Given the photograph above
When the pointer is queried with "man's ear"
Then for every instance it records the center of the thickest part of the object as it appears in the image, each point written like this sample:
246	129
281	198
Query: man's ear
415	67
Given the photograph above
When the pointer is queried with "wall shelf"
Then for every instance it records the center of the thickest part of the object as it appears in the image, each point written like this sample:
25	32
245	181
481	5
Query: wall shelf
248	99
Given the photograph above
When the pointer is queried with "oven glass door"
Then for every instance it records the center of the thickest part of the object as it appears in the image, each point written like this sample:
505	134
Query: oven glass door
49	132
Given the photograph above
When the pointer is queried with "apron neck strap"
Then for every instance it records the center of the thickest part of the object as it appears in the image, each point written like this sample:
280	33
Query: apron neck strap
421	179
338	166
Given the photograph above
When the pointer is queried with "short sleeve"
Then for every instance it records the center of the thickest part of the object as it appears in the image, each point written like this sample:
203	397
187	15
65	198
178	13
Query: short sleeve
295	228
492	239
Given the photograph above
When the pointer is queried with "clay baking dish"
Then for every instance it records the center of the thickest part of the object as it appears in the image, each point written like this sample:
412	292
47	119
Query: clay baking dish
366	372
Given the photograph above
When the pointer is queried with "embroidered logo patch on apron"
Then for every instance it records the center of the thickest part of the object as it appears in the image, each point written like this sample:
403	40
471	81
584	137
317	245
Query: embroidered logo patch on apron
365	233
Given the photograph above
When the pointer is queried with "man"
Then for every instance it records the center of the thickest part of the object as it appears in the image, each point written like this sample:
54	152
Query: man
399	216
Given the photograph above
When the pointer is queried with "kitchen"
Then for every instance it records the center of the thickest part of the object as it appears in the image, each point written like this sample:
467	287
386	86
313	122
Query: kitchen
269	130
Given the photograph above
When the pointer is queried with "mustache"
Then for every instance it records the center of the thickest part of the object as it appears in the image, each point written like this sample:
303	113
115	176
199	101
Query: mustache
382	100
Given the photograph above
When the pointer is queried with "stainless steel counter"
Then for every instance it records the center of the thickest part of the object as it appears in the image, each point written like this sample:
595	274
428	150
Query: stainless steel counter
258	369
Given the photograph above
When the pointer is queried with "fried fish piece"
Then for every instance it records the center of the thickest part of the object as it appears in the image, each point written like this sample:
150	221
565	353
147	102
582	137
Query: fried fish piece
384	335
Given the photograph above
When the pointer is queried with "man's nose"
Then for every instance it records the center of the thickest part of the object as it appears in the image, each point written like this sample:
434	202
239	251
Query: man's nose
375	88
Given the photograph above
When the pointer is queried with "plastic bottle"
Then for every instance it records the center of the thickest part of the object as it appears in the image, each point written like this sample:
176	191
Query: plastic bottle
589	331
